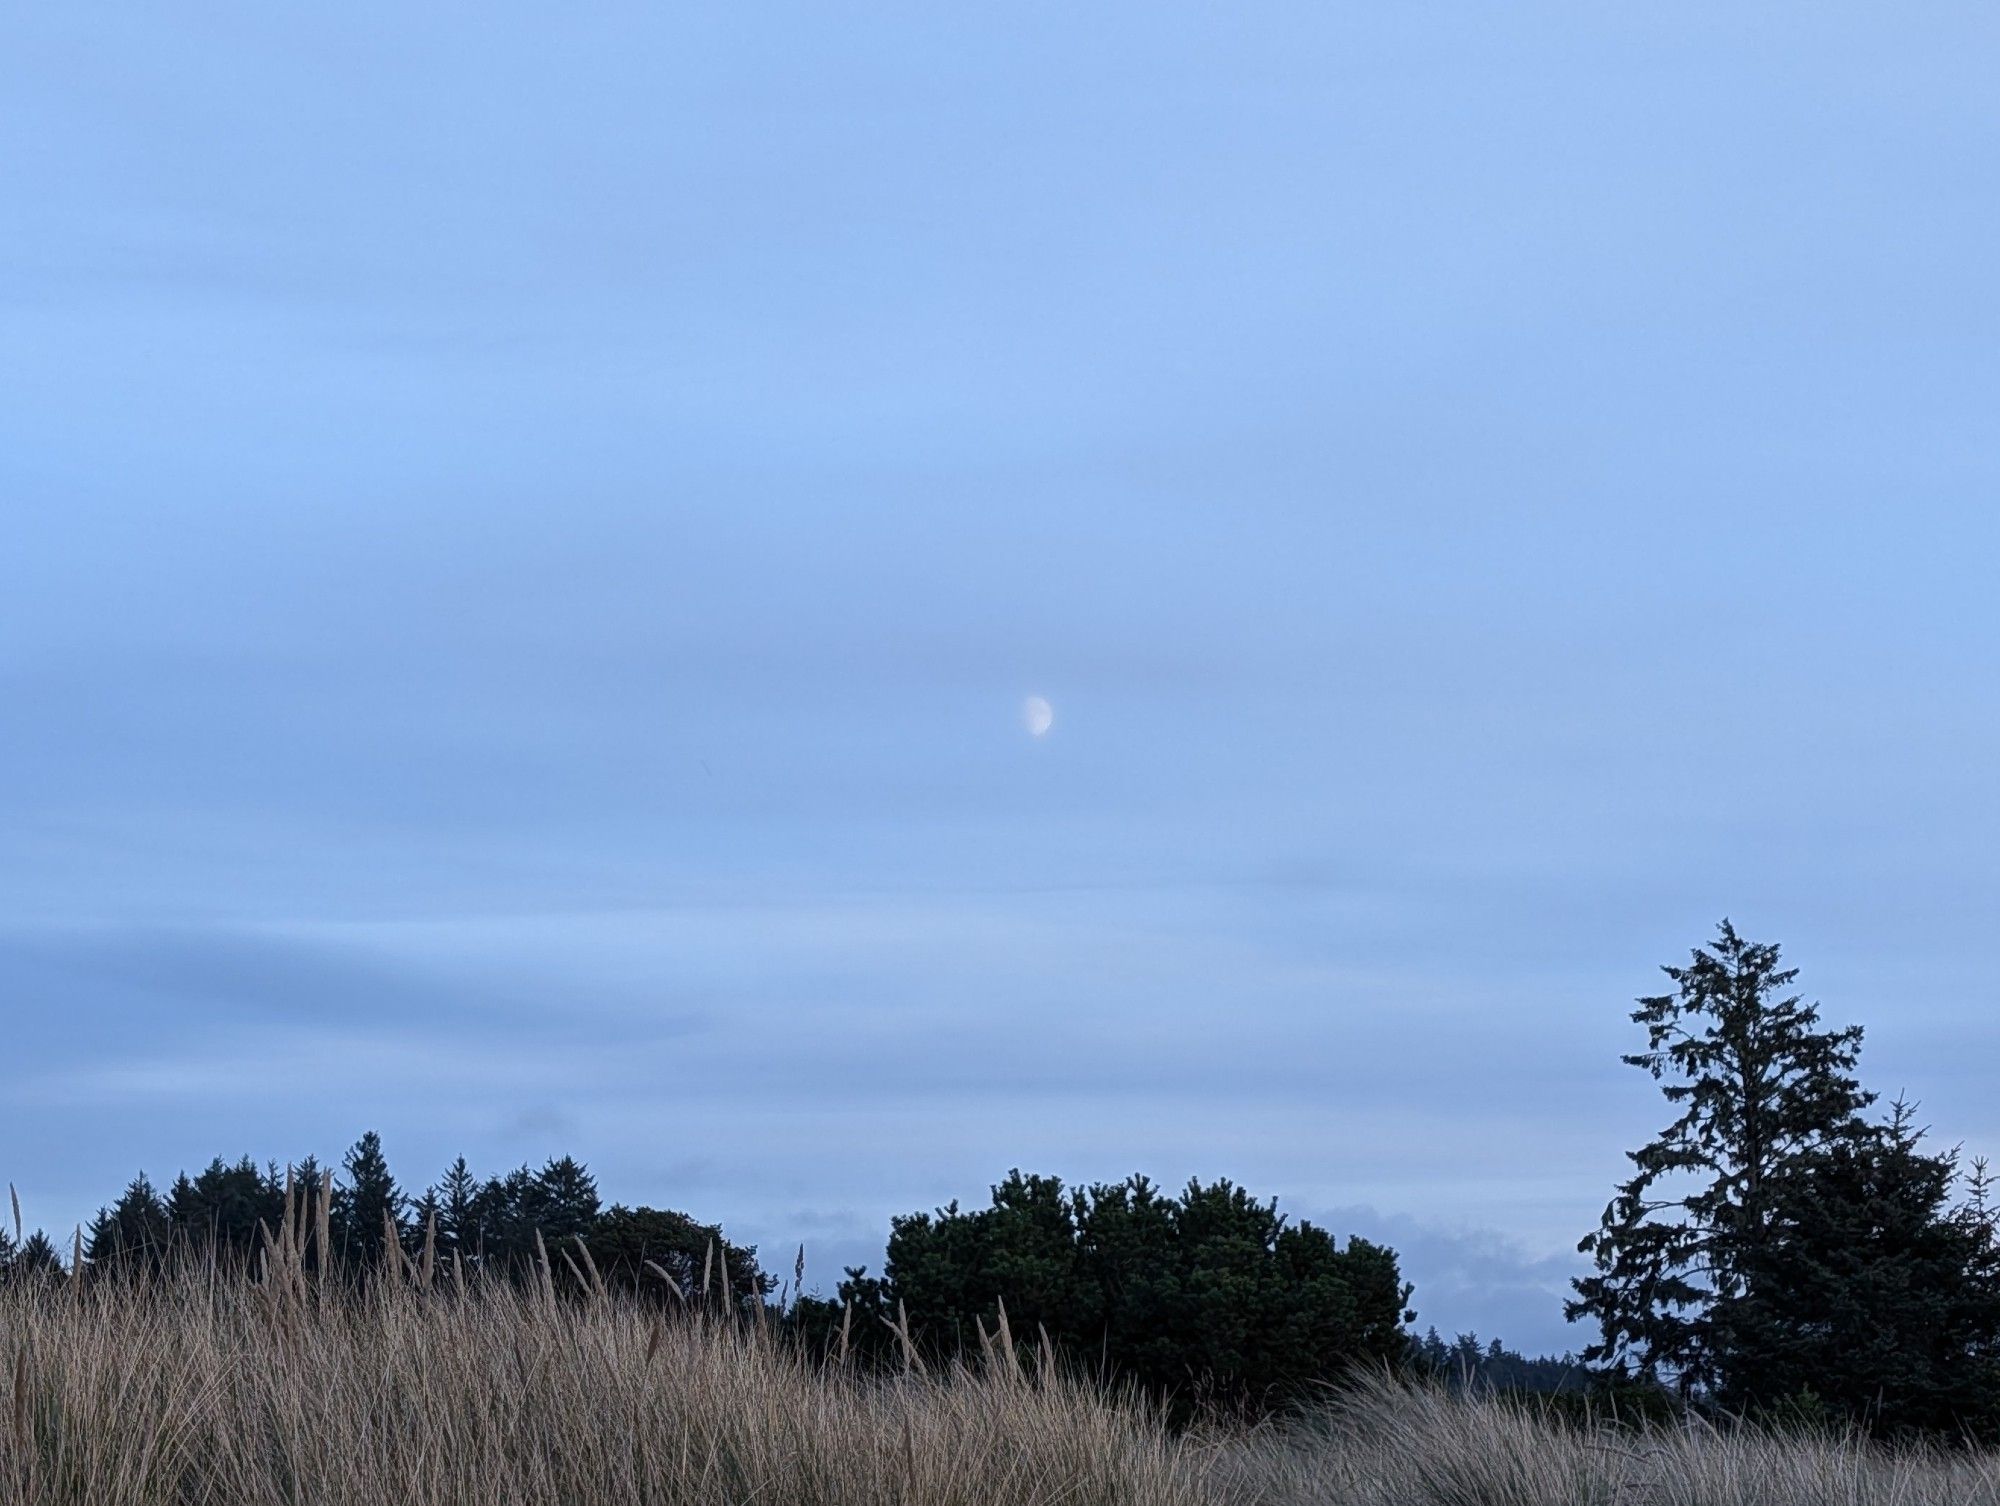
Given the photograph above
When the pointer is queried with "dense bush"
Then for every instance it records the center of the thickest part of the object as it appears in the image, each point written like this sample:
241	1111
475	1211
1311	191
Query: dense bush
1210	1296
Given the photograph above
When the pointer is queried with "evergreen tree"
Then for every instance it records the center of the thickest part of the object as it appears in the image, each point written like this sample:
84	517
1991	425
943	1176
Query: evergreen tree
308	1187
565	1200
37	1259
131	1235
504	1216
558	1202
221	1208
1429	1352
366	1203
307	1175
1761	1089
1878	1296
453	1201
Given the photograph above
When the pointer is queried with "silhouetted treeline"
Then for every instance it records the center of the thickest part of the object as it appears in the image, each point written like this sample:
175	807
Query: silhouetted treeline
1782	1249
1208	1297
502	1226
1466	1363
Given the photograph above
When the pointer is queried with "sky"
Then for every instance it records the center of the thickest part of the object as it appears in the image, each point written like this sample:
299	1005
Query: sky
525	539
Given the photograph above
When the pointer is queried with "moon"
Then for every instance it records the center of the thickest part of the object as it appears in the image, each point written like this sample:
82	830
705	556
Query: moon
1037	715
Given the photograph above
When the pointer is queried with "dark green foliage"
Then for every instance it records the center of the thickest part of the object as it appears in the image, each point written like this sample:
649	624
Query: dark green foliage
950	1269
35	1259
1878	1301
449	1213
559	1202
452	1201
220	1213
222	1207
491	1225
623	1241
503	1221
306	1177
853	1324
1761	1089
133	1234
1210	1296
368	1206
564	1200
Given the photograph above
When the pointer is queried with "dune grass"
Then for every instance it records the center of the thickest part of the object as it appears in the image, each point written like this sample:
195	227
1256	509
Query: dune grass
1393	1445
187	1392
418	1389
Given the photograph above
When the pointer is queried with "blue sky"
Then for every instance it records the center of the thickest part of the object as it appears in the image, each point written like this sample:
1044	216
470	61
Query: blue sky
524	538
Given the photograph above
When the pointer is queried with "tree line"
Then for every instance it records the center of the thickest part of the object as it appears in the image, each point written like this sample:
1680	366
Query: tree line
1783	1248
497	1227
1206	1297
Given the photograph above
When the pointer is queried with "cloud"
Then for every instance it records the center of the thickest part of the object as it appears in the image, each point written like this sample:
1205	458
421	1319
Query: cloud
1471	1279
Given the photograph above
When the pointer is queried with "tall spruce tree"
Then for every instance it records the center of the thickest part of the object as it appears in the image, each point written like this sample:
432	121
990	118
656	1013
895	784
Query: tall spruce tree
369	1204
131	1235
566	1201
452	1200
36	1259
1762	1090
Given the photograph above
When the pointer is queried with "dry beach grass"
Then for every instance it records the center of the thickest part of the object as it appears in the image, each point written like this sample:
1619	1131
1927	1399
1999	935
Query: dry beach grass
421	1389
189	1393
1391	1445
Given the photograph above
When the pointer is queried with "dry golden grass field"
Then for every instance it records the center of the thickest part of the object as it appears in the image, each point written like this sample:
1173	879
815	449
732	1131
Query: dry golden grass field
201	1388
